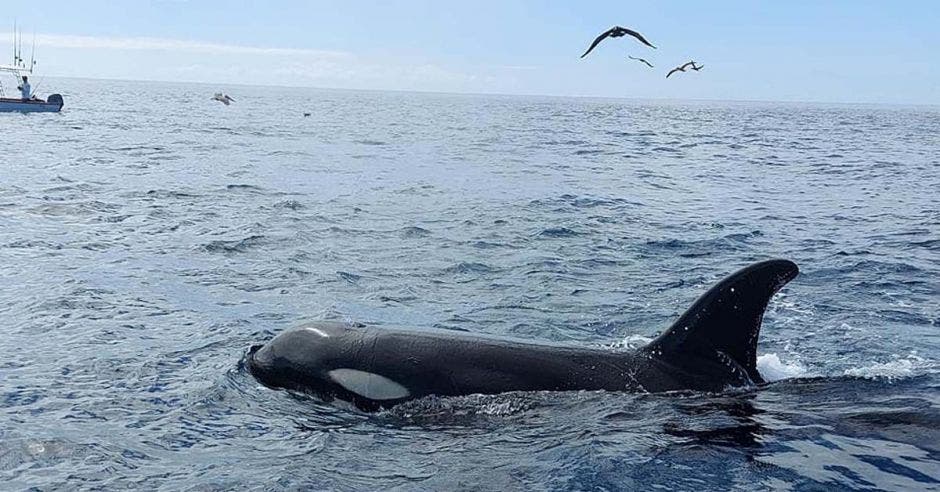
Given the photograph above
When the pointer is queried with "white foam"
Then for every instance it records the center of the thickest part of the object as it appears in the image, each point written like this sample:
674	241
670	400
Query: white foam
900	368
773	369
631	342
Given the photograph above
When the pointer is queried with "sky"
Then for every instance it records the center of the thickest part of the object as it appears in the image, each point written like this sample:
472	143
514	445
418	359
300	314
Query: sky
827	51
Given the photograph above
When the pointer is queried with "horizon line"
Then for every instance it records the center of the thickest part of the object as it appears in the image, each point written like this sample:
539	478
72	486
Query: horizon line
504	94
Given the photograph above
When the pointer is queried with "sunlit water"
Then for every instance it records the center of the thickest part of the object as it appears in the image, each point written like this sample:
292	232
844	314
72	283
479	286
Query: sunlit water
149	236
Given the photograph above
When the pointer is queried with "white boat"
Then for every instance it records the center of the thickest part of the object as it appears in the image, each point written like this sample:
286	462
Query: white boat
18	69
52	104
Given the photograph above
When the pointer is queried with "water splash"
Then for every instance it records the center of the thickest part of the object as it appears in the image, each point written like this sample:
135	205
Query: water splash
773	369
630	342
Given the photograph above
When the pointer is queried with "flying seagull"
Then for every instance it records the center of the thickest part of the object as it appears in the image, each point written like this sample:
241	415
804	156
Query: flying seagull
681	68
222	98
617	32
640	59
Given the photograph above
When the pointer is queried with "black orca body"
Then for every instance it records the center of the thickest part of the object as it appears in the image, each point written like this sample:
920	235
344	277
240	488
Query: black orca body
712	347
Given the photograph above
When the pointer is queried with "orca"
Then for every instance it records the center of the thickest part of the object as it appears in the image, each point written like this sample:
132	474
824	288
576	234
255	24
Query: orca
712	347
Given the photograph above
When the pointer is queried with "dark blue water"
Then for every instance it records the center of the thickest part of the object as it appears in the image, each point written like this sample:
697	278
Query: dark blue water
149	236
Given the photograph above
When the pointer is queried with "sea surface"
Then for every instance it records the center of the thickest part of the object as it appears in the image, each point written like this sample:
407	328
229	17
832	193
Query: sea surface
149	236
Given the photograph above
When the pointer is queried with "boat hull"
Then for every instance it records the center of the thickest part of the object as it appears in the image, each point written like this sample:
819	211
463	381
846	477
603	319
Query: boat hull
10	105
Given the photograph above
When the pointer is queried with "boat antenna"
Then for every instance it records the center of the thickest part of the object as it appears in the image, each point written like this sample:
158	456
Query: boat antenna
18	48
32	54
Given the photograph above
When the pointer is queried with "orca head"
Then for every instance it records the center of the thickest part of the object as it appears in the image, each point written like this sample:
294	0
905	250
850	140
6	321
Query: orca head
295	359
326	359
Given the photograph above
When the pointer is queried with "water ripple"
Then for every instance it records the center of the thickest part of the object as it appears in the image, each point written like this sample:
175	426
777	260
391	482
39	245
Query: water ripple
146	249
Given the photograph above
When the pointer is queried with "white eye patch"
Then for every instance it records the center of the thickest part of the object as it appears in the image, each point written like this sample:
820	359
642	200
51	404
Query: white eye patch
368	385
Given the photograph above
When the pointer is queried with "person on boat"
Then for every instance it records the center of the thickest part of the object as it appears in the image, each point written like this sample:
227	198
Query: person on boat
25	89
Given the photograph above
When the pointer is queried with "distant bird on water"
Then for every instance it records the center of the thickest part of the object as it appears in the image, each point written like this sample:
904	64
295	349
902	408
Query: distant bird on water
681	68
617	32
306	115
640	59
222	98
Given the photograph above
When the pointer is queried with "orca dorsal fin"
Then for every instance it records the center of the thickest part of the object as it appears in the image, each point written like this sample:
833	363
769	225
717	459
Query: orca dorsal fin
723	325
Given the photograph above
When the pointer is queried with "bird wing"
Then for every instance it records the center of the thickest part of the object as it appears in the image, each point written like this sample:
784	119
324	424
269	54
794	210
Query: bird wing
674	70
599	39
638	36
641	59
685	65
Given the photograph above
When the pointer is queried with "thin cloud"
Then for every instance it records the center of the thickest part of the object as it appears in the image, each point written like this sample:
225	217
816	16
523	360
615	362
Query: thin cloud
518	67
200	61
69	41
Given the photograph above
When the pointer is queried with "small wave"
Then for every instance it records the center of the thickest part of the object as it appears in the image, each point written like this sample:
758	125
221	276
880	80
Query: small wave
370	142
415	231
744	236
565	142
581	202
594	263
75	209
588	152
700	247
693	249
169	194
349	277
590	202
114	218
81	187
29	244
397	299
645	133
861	252
289	205
931	244
773	369
900	368
236	246
139	148
487	245
884	266
244	187
19	452
468	267
558	232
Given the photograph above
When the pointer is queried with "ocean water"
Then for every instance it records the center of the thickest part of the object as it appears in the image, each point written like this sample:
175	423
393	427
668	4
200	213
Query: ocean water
149	236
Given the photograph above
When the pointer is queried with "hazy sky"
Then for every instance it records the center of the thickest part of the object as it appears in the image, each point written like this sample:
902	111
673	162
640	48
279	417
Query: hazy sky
847	51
